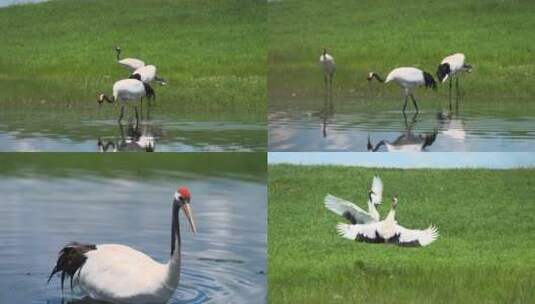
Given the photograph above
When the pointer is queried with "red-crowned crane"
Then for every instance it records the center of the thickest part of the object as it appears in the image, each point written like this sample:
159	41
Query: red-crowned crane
130	63
451	67
120	274
328	66
354	213
128	90
408	78
147	74
388	231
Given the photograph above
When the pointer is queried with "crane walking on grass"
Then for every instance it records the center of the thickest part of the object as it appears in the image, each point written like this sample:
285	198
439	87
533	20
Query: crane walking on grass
120	274
388	231
329	68
128	90
408	78
352	212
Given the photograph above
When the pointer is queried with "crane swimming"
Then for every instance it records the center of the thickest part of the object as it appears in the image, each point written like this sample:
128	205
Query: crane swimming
120	274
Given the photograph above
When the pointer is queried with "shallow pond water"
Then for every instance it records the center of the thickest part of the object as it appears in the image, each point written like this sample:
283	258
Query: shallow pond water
93	129
225	262
344	123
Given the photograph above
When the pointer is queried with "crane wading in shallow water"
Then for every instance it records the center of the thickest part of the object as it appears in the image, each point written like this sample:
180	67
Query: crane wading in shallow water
408	78
388	231
354	213
120	274
128	90
452	67
329	68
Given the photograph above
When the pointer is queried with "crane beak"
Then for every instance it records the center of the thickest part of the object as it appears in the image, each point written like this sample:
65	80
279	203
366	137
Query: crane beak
189	215
445	78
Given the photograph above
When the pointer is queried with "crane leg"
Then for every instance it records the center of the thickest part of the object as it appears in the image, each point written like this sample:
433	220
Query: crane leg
405	104
450	94
457	87
137	116
122	114
415	104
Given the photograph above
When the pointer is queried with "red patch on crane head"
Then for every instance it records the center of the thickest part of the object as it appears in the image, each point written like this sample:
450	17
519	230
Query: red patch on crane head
184	192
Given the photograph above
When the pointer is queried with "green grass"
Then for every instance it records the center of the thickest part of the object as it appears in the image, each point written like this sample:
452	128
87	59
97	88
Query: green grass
246	166
485	252
380	35
211	52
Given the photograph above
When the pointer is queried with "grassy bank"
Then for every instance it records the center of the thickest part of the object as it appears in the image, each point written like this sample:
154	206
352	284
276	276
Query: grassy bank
211	52
380	35
246	166
485	252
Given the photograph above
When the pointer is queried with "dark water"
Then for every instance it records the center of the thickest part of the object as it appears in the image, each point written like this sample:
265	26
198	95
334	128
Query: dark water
344	123
224	262
82	128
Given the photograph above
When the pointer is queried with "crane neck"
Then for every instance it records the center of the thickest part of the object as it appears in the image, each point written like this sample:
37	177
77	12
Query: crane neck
174	264
391	217
118	55
376	76
372	210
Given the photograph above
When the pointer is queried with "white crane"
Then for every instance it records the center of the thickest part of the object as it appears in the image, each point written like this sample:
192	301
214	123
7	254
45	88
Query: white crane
408	78
147	74
451	67
128	90
329	67
130	63
388	231
120	274
352	212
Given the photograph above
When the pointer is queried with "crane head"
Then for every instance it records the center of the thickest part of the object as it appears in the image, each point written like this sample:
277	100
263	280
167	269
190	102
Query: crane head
183	201
394	201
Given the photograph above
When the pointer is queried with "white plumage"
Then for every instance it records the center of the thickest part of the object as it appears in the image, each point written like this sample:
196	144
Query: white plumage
328	66
120	274
147	74
354	213
452	65
128	90
388	231
408	78
129	63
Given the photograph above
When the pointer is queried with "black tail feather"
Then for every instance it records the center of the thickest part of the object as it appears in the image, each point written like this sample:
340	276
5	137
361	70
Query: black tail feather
70	260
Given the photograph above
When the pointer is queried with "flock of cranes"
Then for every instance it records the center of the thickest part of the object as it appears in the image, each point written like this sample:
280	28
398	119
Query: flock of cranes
116	273
135	87
408	78
366	226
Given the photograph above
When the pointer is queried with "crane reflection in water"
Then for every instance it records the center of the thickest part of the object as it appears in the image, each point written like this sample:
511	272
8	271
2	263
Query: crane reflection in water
137	136
407	141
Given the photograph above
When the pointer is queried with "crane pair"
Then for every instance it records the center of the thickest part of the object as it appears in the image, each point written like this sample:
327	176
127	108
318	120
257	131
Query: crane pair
135	87
366	226
409	78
